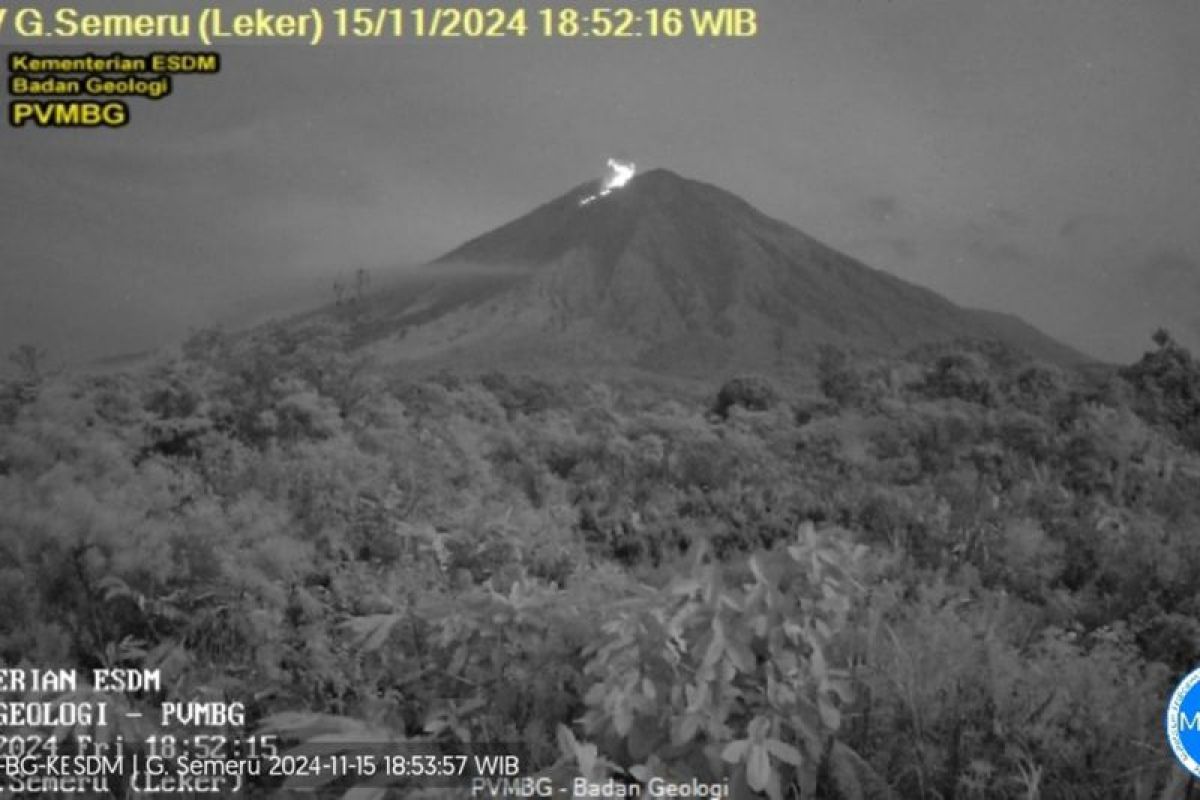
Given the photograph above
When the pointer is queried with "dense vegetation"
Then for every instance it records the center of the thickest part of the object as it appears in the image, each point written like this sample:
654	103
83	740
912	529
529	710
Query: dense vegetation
954	575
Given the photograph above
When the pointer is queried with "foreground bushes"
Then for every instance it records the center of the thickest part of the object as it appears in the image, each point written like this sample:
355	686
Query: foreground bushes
988	596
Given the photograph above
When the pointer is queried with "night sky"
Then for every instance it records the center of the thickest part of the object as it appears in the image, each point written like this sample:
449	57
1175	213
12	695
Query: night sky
1033	157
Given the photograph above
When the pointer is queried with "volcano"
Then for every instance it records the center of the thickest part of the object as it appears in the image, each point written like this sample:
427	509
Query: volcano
668	274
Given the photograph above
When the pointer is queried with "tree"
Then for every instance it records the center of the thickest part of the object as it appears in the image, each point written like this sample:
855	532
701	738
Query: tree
750	392
1167	386
961	375
838	379
29	361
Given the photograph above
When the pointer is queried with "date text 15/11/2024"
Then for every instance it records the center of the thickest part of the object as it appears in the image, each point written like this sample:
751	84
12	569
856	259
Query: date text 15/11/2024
211	24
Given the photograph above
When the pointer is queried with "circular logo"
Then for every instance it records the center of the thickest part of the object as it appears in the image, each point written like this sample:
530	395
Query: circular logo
1183	722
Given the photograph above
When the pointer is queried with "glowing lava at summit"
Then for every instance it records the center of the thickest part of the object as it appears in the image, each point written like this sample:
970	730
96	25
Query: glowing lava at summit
619	174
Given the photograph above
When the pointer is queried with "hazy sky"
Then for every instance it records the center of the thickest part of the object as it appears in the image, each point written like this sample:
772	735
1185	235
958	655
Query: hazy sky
1036	157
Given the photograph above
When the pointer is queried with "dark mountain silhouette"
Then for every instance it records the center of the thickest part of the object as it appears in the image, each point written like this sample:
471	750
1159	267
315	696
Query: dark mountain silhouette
667	274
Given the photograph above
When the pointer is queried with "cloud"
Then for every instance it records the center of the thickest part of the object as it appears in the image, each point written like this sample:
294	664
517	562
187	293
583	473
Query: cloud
1171	270
999	252
881	208
1013	219
902	247
882	250
1084	226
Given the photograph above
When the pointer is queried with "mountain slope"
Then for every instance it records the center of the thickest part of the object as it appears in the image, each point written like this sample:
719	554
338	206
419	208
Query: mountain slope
672	274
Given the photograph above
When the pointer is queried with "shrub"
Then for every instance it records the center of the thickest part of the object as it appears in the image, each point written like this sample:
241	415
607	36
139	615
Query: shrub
750	392
718	681
959	375
838	379
1167	384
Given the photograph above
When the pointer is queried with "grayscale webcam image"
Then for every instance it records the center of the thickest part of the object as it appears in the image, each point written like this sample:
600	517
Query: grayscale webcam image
790	400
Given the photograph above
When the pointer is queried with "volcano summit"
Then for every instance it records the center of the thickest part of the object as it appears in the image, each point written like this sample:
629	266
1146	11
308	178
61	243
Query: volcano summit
667	274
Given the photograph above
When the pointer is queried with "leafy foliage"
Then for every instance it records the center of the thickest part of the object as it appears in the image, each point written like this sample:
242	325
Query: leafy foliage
713	681
1167	383
751	393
